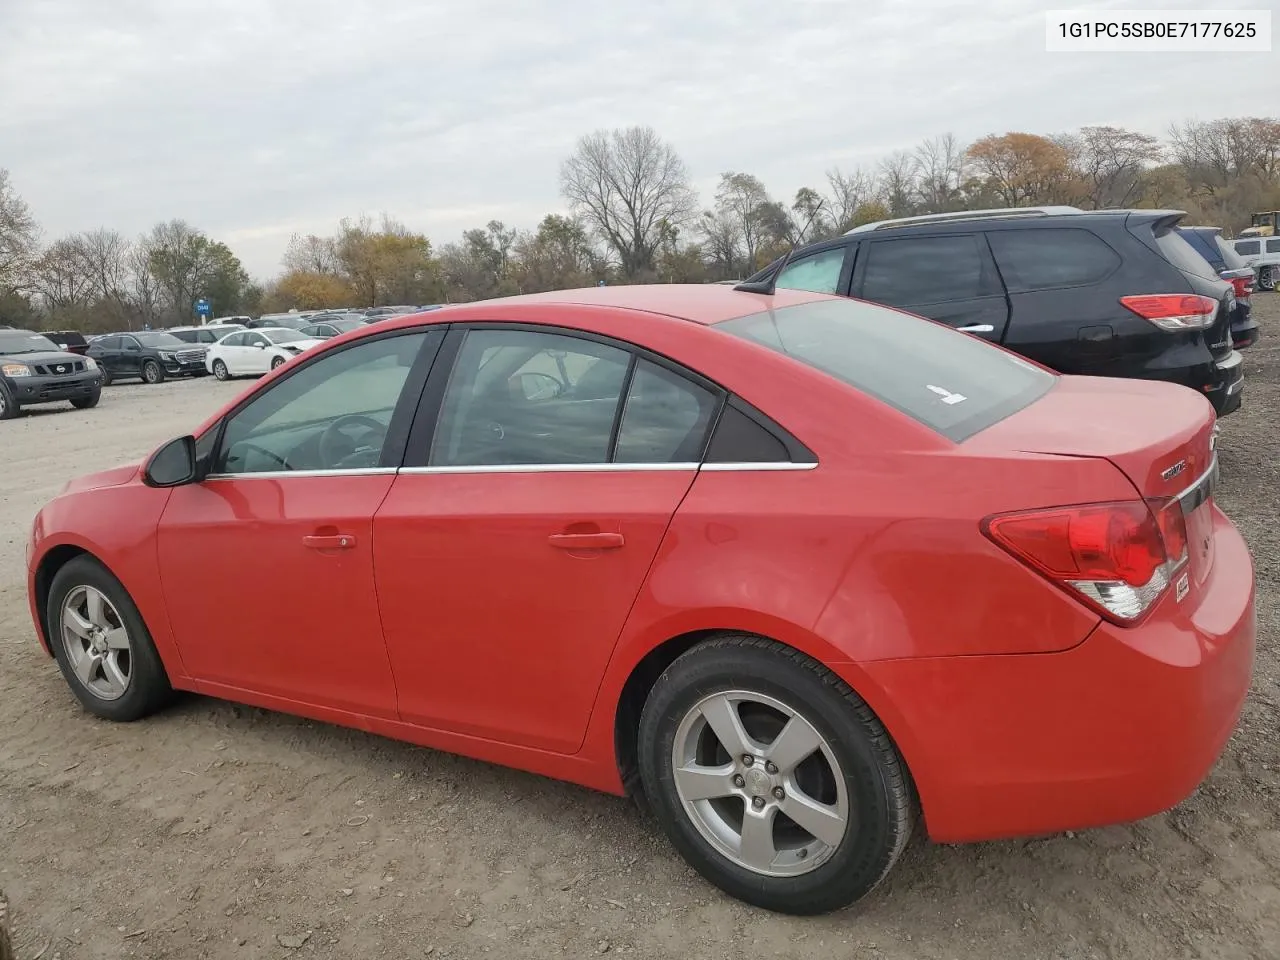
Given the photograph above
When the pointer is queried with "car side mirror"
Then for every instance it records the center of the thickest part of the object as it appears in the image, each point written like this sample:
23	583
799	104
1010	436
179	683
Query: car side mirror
173	465
260	346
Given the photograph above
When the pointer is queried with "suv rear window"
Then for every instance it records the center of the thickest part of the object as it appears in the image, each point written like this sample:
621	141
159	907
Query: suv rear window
1229	256
1182	255
953	383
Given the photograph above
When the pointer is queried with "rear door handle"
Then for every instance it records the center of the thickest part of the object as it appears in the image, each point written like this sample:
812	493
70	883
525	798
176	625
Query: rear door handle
586	541
337	541
977	328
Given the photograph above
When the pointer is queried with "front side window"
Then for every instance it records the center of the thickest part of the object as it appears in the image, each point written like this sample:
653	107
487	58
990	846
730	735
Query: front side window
1048	259
518	397
920	270
1248	248
234	340
951	382
819	273
332	414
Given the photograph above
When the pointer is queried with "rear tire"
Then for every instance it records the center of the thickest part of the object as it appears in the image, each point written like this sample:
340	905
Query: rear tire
87	403
834	813
151	372
1267	277
117	673
277	362
106	377
220	370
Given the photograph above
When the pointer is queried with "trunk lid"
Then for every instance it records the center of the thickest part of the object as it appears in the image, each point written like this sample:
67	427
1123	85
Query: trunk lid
1160	435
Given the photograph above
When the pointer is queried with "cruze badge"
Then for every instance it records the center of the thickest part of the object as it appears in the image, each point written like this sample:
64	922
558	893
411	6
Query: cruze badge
1173	471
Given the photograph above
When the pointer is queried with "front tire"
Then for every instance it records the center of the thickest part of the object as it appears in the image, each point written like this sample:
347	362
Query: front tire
86	403
102	646
151	372
220	370
772	778
8	406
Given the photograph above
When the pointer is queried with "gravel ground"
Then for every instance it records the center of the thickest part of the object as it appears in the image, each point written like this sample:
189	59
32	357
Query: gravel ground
215	830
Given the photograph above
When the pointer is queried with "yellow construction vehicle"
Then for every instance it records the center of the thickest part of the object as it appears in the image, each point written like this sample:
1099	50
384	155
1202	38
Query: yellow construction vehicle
1262	225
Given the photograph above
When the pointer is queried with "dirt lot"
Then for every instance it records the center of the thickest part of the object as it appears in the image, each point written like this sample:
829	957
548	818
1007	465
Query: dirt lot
221	831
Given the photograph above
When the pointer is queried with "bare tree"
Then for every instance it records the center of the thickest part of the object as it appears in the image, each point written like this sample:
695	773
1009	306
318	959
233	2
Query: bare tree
898	180
742	200
626	185
1110	162
142	293
722	243
59	278
311	254
18	236
939	172
846	193
104	260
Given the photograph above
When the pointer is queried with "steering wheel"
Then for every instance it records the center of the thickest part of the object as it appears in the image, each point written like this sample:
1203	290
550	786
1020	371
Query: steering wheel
249	445
336	447
542	386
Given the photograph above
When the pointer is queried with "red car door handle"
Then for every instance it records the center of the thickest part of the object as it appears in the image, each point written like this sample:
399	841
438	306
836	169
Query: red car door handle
337	541
586	541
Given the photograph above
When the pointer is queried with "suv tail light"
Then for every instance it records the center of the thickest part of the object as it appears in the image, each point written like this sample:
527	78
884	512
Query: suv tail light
1243	287
1174	312
1117	557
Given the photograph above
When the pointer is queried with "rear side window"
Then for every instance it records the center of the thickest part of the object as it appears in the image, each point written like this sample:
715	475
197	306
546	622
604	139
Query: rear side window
1248	248
921	270
188	336
1182	255
1273	246
948	381
665	418
1047	259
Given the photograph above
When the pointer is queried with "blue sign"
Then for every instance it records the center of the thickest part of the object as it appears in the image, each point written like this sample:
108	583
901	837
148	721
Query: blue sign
203	307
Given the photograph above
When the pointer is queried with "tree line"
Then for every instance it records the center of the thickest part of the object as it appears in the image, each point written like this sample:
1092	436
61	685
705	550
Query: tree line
633	217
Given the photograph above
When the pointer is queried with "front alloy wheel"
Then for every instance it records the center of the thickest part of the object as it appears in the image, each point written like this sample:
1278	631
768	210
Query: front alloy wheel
96	642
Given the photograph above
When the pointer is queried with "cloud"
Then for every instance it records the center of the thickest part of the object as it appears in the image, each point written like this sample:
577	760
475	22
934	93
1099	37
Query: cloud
254	119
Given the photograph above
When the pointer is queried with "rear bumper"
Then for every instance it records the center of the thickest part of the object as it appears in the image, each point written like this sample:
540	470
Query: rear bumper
1121	727
29	390
1227	389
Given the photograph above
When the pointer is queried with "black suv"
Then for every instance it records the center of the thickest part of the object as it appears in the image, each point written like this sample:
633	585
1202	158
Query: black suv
150	355
1114	293
33	369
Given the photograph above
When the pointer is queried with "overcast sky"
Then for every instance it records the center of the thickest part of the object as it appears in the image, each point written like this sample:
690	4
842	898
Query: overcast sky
255	119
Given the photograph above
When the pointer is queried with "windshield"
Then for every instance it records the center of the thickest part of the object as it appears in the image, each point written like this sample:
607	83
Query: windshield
161	340
951	382
21	342
282	336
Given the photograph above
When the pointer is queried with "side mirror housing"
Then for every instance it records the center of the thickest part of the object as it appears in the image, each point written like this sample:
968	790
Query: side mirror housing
173	465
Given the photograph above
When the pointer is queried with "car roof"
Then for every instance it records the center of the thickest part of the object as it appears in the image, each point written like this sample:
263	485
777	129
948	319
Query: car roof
698	302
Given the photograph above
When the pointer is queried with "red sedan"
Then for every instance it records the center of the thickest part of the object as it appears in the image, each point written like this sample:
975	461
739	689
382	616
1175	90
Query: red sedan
797	567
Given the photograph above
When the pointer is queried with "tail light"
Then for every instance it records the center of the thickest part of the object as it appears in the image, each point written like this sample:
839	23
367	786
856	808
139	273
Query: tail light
1116	557
1174	312
1243	287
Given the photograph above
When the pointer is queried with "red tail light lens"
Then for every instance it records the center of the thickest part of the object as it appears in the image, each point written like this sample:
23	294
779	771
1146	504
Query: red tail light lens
1117	557
1174	312
1243	287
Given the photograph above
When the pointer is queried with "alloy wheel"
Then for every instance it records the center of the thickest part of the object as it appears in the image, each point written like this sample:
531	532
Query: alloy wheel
760	783
96	643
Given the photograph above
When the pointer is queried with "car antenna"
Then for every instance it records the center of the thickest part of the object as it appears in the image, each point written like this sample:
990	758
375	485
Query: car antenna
769	284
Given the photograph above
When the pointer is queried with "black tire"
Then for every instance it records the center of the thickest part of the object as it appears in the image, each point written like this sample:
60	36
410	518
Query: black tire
220	370
277	362
87	403
8	406
106	377
152	372
1267	277
876	782
148	687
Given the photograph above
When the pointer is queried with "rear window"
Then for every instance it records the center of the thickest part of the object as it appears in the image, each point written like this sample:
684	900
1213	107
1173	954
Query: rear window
1229	256
1201	243
1182	255
953	383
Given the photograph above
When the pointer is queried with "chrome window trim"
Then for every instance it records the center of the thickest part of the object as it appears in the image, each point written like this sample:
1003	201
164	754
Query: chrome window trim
1201	489
554	468
281	474
761	465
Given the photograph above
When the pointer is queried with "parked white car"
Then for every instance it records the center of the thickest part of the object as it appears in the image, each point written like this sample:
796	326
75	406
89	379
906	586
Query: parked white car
1263	254
255	352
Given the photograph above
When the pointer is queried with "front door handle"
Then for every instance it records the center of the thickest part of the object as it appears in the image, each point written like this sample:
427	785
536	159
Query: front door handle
586	541
337	541
977	328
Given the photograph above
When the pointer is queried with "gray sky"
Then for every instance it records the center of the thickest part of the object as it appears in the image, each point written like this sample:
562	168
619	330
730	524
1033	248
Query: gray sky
255	119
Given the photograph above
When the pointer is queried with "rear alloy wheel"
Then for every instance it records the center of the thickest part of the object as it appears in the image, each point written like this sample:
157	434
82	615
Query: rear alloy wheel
220	370
102	646
773	779
1267	277
277	362
151	372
